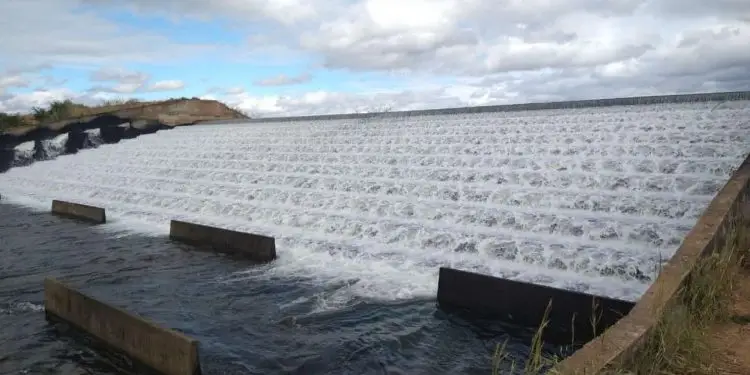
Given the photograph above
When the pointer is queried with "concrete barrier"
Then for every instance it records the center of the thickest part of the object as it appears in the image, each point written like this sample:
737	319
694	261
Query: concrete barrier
252	246
79	211
572	316
731	206
162	350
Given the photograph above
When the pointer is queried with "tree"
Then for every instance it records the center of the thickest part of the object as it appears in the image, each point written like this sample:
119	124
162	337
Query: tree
40	114
8	121
59	110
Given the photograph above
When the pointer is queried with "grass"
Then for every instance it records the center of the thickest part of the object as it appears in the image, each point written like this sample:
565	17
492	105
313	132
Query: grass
679	343
536	362
66	109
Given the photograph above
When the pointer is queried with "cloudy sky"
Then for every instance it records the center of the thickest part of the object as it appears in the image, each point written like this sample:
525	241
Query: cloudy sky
281	57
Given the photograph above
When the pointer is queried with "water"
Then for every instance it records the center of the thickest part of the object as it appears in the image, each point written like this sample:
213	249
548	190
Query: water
245	325
364	213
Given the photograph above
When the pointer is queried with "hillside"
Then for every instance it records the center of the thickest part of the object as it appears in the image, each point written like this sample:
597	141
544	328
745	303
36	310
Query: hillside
171	112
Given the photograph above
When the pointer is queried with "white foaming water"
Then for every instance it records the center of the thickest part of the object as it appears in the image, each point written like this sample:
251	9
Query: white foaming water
21	307
51	148
24	151
94	137
55	146
587	199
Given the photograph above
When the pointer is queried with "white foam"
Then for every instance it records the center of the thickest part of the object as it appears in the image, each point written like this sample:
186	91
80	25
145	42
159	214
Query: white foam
585	199
55	146
22	307
24	151
94	137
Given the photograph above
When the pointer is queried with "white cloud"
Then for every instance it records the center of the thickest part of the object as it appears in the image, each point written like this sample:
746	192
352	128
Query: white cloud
120	75
169	85
129	82
283	79
23	102
12	81
466	52
122	88
286	12
60	32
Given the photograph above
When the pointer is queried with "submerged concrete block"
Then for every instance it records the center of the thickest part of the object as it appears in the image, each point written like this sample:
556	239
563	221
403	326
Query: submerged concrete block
79	211
252	246
572	316
160	349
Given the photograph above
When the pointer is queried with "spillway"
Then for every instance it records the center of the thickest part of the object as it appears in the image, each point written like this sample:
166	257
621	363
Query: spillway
591	199
364	212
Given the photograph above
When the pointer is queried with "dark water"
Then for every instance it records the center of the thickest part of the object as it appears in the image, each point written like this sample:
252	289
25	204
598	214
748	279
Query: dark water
244	325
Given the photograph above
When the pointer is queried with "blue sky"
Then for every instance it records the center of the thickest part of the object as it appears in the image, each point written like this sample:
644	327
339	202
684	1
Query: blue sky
274	57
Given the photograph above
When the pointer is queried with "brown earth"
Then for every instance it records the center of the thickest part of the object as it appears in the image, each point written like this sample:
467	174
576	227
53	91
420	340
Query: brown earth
173	112
730	341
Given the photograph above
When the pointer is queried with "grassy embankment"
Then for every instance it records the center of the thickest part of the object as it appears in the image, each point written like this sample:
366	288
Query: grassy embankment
685	340
60	110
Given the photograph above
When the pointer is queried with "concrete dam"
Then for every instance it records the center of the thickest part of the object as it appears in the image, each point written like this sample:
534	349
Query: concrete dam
365	211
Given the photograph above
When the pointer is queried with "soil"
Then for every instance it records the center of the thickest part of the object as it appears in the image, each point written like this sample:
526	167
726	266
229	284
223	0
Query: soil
171	112
730	341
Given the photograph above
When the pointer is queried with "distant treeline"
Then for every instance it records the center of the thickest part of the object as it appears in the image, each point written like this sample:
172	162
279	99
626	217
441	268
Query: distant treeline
638	100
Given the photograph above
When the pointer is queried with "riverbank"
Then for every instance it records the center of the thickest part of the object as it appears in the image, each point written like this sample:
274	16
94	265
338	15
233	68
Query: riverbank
706	332
115	122
61	116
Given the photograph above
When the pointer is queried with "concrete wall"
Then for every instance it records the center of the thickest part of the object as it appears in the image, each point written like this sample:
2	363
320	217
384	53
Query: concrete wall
166	351
570	314
730	207
571	104
79	211
252	246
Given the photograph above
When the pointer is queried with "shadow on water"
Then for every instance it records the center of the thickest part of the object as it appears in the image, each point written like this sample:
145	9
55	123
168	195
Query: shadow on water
6	158
110	131
248	324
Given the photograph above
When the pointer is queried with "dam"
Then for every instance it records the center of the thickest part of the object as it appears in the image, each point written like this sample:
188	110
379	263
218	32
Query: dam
365	212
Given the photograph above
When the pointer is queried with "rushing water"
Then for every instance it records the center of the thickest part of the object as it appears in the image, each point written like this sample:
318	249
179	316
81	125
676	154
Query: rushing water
364	213
246	325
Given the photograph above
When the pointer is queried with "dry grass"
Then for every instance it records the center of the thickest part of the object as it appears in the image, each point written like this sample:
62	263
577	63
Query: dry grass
679	344
73	110
107	106
538	361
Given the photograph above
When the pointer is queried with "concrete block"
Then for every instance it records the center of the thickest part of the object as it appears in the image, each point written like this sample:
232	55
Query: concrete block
252	246
162	350
79	211
571	314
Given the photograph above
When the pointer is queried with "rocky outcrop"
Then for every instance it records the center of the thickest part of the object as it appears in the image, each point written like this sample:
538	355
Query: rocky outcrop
134	120
129	121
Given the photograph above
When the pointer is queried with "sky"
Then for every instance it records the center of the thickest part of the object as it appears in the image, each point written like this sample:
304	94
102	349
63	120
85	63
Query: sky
299	57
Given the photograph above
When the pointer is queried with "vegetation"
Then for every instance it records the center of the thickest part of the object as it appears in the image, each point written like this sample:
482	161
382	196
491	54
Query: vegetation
12	121
56	111
63	109
537	361
679	344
